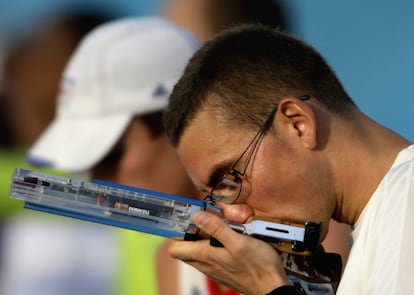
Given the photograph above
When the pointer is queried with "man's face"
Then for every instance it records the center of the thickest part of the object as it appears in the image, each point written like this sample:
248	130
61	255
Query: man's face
280	179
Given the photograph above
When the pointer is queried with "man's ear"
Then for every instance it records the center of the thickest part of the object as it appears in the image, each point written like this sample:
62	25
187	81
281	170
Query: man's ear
299	116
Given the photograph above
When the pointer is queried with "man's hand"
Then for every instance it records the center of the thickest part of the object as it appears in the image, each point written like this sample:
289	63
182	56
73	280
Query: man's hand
245	264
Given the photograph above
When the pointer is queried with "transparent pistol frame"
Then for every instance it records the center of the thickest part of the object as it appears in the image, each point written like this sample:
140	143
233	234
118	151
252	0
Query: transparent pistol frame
146	211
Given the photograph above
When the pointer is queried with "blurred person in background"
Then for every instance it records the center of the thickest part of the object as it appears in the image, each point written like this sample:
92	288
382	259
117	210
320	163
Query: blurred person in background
108	124
204	19
32	68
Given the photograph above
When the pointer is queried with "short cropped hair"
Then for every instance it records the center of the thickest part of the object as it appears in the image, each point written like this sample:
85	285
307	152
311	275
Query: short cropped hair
244	72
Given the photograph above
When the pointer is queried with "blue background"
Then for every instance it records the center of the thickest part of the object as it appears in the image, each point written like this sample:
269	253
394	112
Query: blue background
369	43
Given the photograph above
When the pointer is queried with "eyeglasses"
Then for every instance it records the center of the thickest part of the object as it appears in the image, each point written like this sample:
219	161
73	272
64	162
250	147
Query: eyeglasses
229	188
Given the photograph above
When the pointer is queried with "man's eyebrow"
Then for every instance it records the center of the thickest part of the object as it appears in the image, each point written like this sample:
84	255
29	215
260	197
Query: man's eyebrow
218	172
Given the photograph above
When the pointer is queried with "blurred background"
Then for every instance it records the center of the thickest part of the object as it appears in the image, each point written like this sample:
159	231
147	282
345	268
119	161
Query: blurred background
369	43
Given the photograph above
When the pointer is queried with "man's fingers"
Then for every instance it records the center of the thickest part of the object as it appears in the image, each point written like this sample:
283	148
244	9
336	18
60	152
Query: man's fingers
212	225
186	250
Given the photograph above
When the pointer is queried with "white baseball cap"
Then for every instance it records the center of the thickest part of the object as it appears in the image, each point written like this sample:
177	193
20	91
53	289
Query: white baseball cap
121	69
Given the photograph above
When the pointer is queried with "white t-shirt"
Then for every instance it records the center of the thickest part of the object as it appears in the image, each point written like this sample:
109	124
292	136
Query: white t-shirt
192	281
382	256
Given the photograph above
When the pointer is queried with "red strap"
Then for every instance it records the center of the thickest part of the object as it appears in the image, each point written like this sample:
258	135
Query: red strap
213	289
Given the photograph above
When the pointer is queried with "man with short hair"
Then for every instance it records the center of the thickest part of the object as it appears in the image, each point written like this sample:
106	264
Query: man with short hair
265	128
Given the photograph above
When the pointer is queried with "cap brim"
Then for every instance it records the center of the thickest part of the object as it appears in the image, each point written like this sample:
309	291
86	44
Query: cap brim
75	145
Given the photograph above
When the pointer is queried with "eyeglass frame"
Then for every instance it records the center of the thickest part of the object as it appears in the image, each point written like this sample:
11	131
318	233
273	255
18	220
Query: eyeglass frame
238	175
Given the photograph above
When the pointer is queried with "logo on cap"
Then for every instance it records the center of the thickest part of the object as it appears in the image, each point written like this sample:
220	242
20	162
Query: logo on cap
66	88
160	91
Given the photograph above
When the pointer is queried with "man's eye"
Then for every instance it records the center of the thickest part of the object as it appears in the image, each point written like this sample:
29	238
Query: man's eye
230	184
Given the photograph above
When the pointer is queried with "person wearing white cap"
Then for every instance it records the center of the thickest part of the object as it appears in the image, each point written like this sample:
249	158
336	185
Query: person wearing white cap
123	69
108	124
